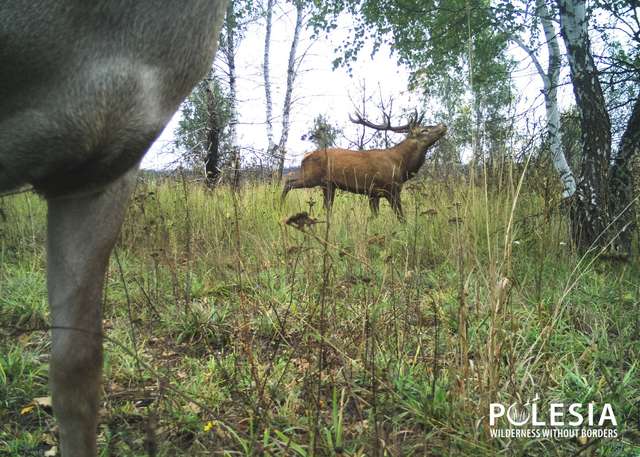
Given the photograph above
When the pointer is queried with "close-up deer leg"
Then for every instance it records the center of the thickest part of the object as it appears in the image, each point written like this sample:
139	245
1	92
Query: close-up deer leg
82	232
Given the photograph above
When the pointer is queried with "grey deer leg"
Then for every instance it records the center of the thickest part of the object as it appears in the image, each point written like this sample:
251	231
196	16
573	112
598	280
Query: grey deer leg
81	233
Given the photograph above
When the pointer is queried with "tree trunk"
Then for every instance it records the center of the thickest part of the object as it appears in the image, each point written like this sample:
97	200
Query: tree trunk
621	185
589	215
550	79
291	75
267	81
230	54
551	101
212	159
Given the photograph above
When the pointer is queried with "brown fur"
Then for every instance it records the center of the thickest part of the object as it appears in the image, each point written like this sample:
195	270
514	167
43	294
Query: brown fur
376	173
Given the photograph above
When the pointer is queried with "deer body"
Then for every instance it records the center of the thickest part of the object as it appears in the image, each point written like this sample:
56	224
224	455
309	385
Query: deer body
85	88
376	173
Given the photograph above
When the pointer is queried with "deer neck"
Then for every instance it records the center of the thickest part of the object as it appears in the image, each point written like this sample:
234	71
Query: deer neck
410	156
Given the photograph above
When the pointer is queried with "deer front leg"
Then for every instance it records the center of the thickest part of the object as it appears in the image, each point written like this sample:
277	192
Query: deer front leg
81	233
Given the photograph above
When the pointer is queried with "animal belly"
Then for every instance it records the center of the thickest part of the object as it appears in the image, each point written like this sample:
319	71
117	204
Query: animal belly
357	181
64	164
63	145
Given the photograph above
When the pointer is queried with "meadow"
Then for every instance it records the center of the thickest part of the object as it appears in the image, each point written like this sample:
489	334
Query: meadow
229	331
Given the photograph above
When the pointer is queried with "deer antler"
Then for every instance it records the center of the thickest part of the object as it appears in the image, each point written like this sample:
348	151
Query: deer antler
384	126
414	120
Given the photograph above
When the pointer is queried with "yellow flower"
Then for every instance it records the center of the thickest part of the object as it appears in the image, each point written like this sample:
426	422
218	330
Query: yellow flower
209	426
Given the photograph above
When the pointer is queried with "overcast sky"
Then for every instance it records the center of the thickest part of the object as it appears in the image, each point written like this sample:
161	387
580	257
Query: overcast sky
318	88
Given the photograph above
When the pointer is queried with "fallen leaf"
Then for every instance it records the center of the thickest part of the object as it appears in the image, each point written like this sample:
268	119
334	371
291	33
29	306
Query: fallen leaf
42	402
27	409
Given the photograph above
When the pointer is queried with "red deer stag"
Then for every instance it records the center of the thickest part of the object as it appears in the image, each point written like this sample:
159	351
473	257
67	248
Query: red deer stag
376	173
86	86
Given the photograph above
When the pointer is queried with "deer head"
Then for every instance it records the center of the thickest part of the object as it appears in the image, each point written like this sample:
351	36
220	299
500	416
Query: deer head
426	135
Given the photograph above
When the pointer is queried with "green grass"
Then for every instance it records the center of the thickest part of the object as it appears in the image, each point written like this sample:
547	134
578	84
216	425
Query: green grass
357	336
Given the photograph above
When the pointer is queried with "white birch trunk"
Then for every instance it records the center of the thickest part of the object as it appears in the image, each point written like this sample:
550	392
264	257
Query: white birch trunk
550	79
291	75
551	101
267	80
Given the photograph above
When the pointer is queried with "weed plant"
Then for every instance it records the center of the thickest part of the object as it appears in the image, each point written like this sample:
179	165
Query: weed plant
230	332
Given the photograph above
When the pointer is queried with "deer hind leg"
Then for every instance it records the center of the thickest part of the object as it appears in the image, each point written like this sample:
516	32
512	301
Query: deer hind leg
329	192
81	233
374	204
396	204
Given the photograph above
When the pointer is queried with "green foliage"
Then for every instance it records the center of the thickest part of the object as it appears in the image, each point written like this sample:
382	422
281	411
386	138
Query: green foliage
323	133
617	25
434	40
240	13
452	49
192	134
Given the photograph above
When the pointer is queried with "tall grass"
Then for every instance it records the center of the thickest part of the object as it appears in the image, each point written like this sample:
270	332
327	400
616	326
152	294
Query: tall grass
238	334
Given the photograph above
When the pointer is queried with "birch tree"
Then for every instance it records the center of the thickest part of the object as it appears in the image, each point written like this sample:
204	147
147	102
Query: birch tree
589	212
442	44
601	212
207	131
437	53
292	67
267	77
240	13
550	80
